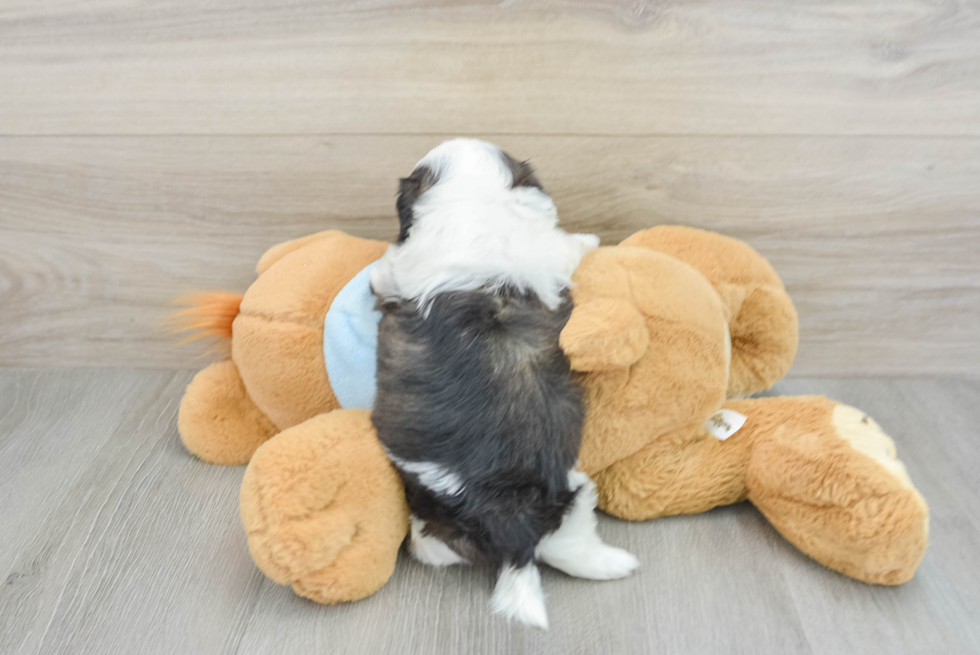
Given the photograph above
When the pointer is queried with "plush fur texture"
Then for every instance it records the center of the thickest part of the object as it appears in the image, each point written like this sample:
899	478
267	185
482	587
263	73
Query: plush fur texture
830	484
218	421
762	319
277	339
834	486
827	481
323	509
652	355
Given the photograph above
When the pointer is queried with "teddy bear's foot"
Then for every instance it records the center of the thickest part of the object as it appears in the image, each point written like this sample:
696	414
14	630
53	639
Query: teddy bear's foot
762	320
218	421
840	495
323	508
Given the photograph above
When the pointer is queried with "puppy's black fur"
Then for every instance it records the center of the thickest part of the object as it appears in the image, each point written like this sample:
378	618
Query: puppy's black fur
423	178
523	173
409	189
479	386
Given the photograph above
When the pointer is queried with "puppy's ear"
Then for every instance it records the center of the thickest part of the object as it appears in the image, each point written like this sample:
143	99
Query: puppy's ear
523	173
409	190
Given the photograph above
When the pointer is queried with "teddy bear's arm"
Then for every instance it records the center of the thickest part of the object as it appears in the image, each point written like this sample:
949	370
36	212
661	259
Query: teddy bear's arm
604	334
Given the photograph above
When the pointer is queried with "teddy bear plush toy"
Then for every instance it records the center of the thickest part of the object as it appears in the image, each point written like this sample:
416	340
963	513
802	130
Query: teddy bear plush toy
671	331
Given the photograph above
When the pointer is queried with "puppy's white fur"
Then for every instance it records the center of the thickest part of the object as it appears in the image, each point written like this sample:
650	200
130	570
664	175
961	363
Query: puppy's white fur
473	230
518	595
432	476
431	550
576	547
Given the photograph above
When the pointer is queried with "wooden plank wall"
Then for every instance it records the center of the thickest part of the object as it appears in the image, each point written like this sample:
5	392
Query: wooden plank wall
151	148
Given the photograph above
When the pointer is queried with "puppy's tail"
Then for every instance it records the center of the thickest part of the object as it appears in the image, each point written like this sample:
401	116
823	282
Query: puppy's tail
207	315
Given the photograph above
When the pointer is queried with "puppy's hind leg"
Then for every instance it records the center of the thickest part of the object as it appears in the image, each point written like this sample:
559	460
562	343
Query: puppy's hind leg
518	595
429	549
576	547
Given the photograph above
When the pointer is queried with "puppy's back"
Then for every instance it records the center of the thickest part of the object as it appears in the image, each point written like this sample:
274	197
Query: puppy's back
479	390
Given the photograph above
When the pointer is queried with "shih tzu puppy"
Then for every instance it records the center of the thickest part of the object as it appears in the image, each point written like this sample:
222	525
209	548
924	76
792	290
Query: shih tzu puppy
476	406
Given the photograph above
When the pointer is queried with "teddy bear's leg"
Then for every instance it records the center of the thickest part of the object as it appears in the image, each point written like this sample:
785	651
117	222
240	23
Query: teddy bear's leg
323	508
762	319
218	421
835	489
685	471
278	251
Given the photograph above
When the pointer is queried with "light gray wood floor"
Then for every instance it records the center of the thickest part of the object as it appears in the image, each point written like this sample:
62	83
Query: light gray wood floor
113	539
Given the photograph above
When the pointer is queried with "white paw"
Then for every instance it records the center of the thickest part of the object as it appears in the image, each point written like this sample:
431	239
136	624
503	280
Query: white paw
518	595
430	550
590	559
608	563
588	242
576	547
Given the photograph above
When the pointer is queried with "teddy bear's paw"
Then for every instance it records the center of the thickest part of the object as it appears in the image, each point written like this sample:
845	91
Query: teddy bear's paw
864	435
431	550
834	487
218	421
323	508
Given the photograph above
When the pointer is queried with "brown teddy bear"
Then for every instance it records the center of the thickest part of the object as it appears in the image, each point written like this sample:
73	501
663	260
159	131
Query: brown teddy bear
669	329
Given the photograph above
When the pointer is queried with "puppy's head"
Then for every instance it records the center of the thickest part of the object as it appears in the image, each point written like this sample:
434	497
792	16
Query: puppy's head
466	170
472	216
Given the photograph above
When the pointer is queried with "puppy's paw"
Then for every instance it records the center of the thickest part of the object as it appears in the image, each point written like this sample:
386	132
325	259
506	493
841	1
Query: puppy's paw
589	558
609	563
588	242
430	550
518	595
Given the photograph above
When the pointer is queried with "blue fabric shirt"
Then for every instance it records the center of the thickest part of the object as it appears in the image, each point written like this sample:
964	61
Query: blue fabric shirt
350	343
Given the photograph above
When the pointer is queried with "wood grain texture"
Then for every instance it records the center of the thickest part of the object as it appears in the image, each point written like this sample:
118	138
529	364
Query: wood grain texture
125	548
124	543
434	66
877	239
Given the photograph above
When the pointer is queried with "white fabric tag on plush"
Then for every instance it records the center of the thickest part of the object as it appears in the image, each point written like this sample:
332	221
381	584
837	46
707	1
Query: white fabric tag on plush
725	423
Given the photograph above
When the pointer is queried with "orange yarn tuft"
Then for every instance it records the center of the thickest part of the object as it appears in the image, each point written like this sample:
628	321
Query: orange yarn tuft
209	315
